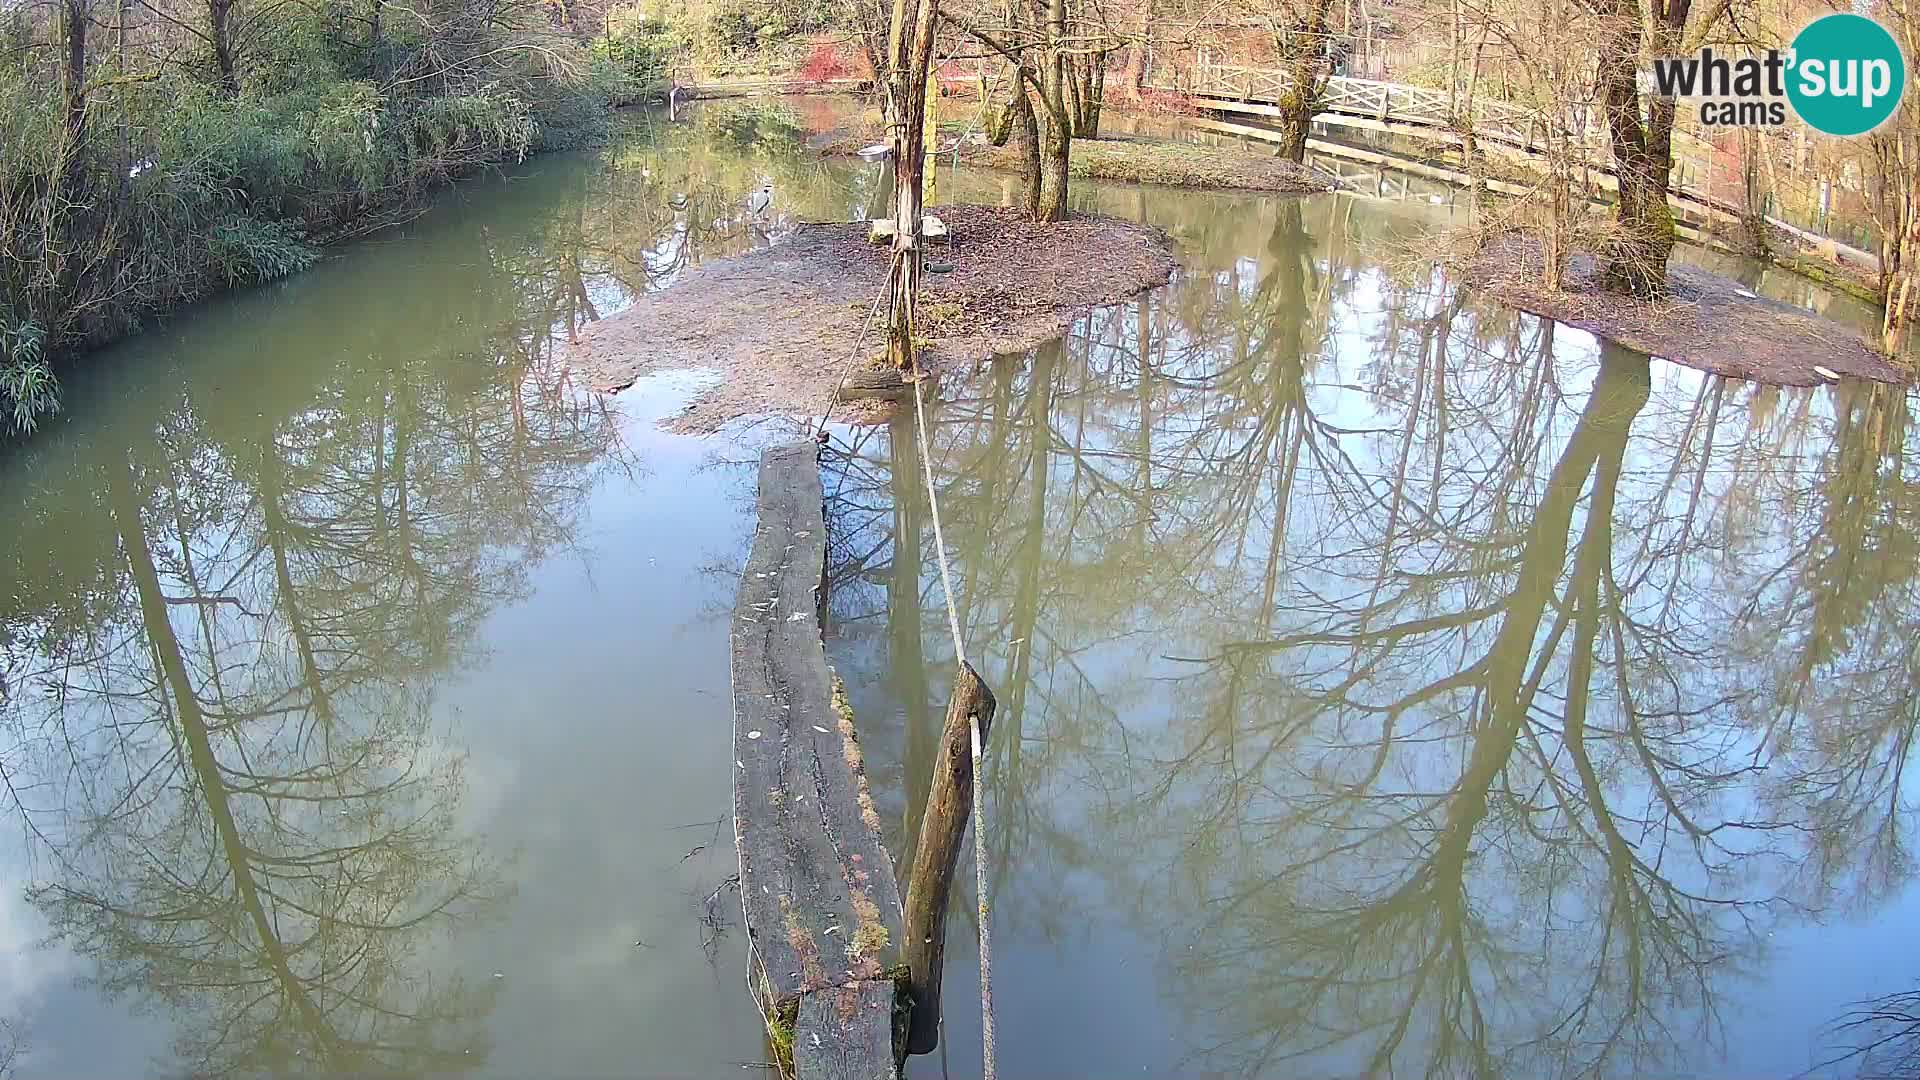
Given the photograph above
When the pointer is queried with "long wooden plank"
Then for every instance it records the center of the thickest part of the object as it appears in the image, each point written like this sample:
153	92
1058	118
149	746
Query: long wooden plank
817	888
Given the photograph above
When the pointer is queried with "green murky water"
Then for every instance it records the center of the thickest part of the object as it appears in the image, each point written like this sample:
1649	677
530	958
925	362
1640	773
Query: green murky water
1389	683
1394	685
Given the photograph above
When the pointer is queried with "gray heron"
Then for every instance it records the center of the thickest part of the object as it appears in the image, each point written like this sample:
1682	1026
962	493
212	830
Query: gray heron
760	201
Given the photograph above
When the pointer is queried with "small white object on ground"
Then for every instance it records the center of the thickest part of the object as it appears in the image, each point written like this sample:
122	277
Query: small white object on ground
874	152
1747	294
1826	373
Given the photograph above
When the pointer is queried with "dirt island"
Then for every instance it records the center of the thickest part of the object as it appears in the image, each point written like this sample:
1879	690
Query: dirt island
1705	320
780	324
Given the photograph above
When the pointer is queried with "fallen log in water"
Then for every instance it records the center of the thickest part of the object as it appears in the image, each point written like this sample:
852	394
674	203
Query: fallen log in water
817	888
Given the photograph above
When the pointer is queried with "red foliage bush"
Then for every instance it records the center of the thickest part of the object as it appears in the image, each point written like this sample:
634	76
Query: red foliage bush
825	62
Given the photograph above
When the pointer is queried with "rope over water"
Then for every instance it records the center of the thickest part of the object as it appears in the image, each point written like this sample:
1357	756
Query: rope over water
963	666
973	725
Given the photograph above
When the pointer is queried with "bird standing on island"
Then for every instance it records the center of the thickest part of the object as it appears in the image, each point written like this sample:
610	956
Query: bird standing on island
760	201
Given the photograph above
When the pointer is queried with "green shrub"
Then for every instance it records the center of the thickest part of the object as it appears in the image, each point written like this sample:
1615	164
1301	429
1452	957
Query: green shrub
248	252
28	389
641	46
579	111
180	191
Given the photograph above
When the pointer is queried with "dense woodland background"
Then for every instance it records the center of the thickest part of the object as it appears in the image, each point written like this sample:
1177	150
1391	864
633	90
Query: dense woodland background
156	151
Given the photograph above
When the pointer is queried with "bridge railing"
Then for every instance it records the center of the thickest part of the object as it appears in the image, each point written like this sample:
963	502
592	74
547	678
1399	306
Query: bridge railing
1384	101
1416	107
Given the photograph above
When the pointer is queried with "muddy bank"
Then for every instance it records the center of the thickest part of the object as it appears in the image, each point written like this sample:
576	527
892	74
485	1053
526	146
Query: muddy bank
1706	321
778	325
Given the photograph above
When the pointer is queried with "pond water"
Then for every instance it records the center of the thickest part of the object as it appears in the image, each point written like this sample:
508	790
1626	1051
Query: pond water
1389	683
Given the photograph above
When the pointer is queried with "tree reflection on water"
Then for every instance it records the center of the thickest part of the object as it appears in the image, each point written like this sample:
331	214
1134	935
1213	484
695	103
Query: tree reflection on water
1444	696
243	807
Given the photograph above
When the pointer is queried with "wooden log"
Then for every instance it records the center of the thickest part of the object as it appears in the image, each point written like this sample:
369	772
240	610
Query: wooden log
817	887
942	828
846	1033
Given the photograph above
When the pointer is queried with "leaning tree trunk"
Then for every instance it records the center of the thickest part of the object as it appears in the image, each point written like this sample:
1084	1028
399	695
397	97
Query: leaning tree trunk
1636	258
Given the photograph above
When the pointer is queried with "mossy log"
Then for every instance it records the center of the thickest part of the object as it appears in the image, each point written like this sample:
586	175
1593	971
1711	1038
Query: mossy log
817	887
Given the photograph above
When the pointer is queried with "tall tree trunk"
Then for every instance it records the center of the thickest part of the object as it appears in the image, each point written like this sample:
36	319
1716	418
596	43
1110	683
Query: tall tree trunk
1470	152
77	14
1136	71
1307	47
1072	89
912	54
1026	134
1889	205
1056	150
54	279
1642	156
1753	217
1897	285
1093	82
1056	121
219	31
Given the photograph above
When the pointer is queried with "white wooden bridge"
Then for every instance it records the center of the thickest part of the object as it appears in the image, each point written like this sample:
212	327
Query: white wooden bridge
1511	131
1379	105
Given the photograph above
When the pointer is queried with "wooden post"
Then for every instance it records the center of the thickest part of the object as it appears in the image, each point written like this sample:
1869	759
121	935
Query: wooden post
912	55
935	855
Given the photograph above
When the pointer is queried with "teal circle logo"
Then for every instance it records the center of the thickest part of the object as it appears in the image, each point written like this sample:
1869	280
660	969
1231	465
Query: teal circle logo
1845	74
